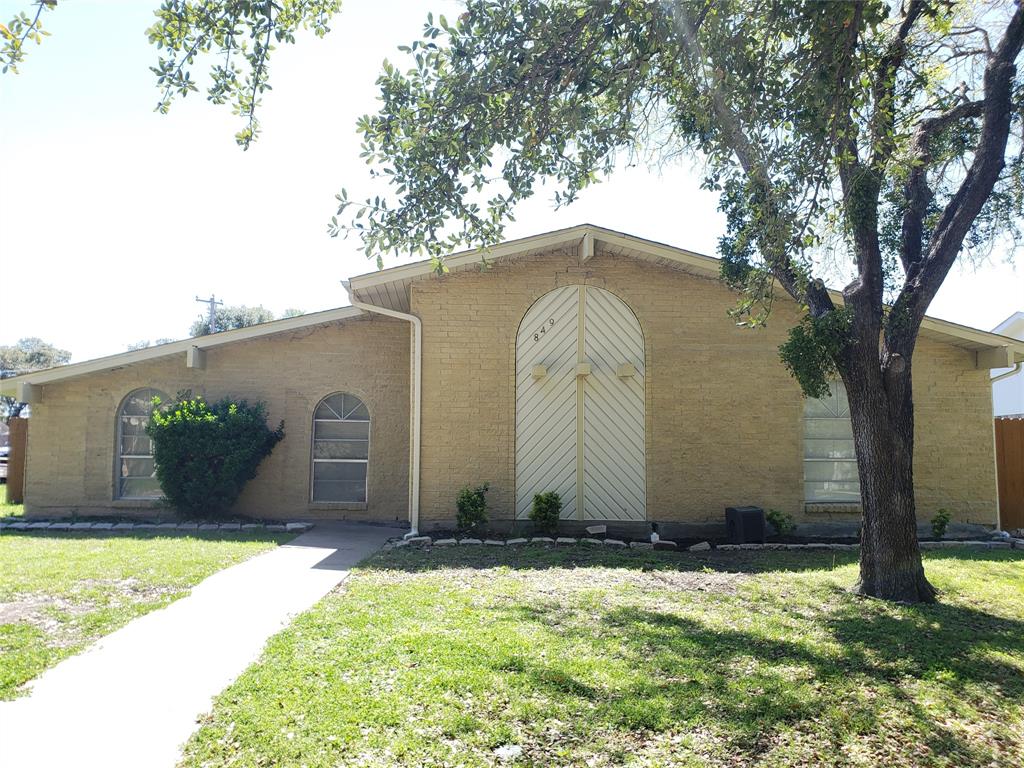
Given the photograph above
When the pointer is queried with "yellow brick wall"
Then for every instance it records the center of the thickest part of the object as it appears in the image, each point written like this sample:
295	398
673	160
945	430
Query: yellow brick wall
72	432
954	438
724	418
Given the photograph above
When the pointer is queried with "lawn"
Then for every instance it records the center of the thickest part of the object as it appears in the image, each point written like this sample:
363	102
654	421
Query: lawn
540	657
60	592
7	509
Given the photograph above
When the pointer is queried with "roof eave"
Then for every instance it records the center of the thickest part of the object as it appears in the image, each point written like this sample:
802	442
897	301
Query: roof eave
9	386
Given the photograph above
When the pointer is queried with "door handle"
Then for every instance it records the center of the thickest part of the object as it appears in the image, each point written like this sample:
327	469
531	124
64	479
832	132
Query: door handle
626	371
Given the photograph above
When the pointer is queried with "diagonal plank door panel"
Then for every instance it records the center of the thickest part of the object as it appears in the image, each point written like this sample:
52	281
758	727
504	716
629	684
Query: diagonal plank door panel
581	434
614	483
546	429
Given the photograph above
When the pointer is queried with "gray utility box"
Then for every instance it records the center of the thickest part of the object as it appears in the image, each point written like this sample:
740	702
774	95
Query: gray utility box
745	525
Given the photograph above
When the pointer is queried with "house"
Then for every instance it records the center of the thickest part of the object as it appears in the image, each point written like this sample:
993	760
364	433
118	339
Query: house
585	361
1008	383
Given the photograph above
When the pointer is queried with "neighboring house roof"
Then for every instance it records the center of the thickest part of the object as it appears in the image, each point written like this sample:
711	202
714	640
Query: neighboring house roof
1013	326
390	288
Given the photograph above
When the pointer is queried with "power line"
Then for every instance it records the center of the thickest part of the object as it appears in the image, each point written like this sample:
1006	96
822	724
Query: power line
212	301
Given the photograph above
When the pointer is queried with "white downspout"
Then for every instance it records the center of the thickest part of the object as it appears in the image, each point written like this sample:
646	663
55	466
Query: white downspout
1012	372
416	374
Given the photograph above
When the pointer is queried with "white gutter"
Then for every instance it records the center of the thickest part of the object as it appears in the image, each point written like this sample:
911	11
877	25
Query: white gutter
1015	370
416	374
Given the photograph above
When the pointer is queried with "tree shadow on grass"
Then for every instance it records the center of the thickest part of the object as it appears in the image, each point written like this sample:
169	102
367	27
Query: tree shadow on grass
752	684
256	535
532	557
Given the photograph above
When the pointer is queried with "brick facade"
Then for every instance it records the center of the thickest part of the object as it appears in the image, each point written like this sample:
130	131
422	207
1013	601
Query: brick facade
72	432
724	420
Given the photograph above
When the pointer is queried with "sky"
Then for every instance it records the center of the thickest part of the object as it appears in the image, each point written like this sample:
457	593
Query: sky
113	218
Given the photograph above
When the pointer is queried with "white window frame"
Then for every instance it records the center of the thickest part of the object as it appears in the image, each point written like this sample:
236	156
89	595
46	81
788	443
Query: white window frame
313	461
839	392
119	457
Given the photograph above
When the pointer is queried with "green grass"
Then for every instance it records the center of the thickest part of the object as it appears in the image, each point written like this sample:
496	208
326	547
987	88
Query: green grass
592	658
9	510
60	592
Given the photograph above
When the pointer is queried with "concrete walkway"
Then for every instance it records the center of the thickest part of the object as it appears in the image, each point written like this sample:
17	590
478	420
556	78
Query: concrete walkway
133	698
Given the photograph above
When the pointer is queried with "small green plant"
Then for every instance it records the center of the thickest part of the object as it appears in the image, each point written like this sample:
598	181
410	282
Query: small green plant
546	511
940	523
782	522
472	507
205	454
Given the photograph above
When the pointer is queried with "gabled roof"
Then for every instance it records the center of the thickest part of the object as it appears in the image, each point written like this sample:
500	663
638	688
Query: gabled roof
390	288
111	362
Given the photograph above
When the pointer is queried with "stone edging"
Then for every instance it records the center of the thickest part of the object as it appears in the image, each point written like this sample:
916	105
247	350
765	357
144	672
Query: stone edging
704	546
65	525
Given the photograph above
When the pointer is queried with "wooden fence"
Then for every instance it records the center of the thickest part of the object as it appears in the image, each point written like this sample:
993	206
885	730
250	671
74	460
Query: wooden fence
18	437
1010	470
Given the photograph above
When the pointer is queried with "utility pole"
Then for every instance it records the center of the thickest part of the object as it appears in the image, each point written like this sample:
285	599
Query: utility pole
212	301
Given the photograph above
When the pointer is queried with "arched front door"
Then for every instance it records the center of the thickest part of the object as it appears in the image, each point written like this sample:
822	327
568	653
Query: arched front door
580	405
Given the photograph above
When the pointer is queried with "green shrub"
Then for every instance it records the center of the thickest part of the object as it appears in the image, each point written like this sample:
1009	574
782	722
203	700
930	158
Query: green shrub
546	511
472	507
940	523
205	454
782	522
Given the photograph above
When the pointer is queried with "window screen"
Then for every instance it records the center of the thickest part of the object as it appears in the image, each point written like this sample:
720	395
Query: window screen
341	449
135	470
830	464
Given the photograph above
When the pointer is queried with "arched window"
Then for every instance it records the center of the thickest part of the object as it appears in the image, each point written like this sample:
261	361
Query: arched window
830	464
341	449
135	473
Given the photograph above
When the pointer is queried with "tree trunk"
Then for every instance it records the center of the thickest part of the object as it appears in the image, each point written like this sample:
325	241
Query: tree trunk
883	435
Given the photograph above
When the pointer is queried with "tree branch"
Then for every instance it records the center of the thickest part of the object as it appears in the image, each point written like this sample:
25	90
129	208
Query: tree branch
779	261
917	193
926	276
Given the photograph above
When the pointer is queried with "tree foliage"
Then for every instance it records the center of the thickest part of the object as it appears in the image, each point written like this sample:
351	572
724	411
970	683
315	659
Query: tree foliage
146	344
205	454
232	39
229	318
30	354
21	29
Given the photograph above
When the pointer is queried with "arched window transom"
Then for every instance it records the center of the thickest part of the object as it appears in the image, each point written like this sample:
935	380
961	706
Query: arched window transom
135	475
341	449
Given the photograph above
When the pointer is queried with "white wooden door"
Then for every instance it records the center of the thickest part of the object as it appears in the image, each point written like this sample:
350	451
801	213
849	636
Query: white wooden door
580	406
614	469
546	406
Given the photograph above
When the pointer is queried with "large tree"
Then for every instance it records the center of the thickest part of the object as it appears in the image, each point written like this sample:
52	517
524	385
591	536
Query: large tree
27	355
881	134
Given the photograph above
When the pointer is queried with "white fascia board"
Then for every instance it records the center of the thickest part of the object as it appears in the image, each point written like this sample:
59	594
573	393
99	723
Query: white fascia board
9	386
546	240
464	258
698	261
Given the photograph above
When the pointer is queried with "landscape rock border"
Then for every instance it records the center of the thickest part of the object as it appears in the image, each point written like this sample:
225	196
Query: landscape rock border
75	526
671	546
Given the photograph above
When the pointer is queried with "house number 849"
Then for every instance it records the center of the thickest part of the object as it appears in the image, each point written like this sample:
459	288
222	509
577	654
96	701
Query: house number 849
544	329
